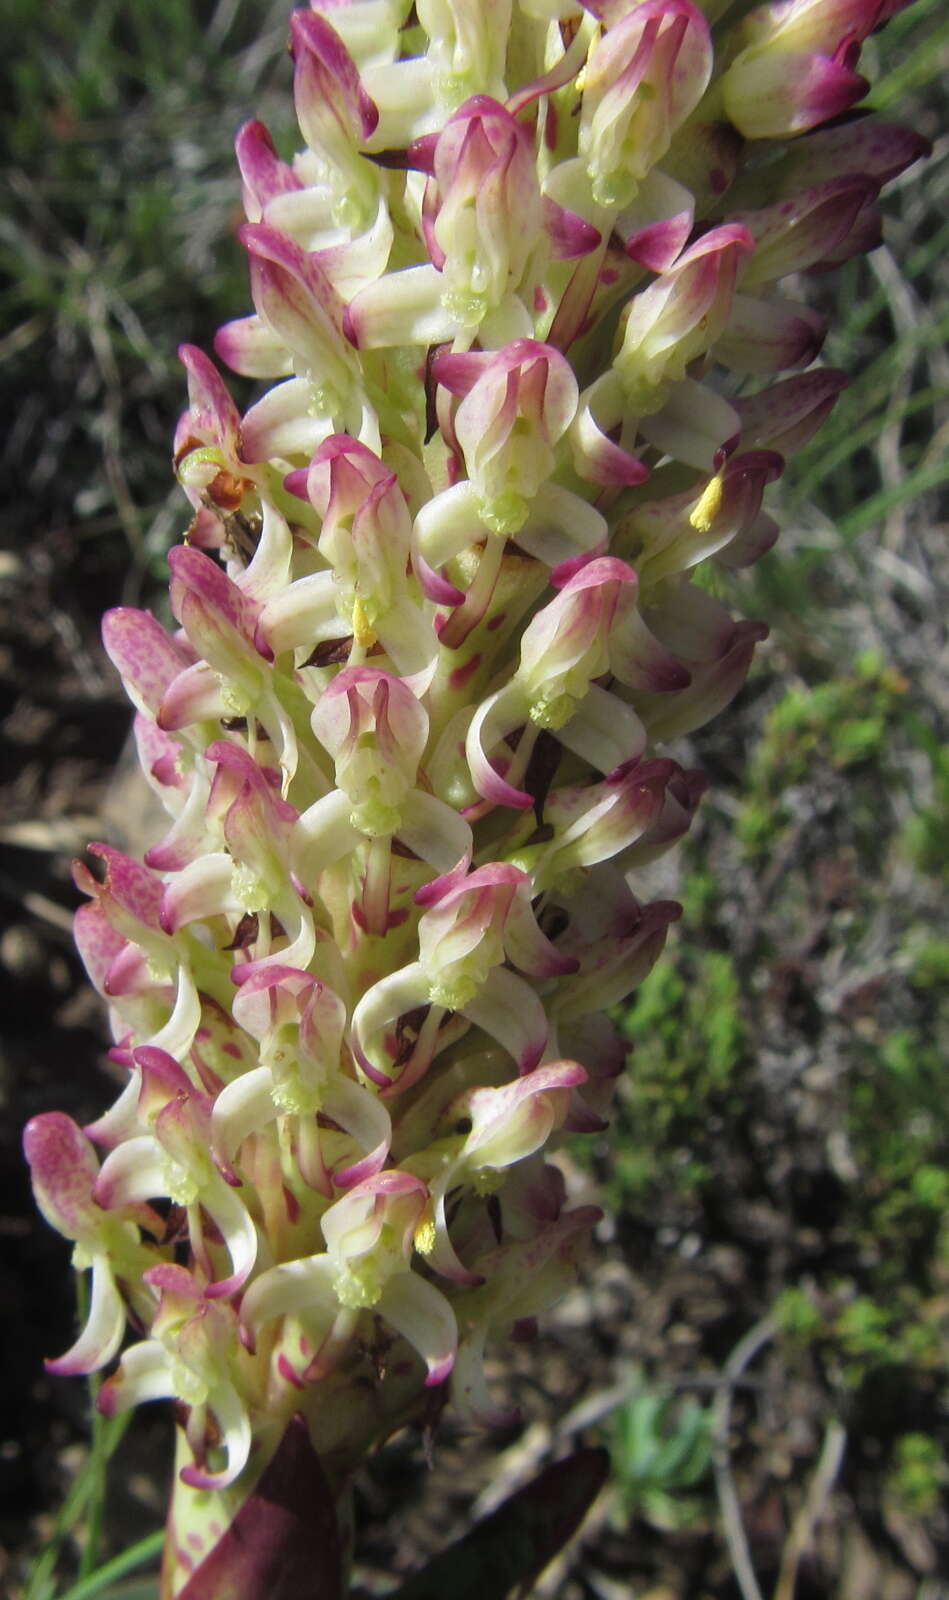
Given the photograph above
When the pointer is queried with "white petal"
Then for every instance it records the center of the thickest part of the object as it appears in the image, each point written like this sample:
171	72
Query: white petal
201	889
353	264
234	1424
381	1005
469	1389
411	643
269	569
144	1374
605	731
298	926
187	839
177	1035
304	614
121	1120
306	214
364	1117
250	347
448	524
495	718
135	1170
229	1213
442	1257
402	92
282	1291
561	525
402	308
282	424
322	834
692	425
243	1106
434	830
422	1315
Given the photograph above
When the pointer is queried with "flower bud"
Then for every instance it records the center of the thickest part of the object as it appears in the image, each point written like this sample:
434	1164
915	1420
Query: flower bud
679	316
472	921
335	113
365	538
190	1359
467	47
796	67
643	78
517	405
490	218
297	302
375	730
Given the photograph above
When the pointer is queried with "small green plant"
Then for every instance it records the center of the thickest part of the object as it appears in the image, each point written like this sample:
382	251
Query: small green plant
864	1330
797	1316
660	1445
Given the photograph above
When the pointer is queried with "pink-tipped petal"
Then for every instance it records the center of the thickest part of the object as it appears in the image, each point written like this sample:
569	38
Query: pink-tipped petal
511	1012
422	1315
234	1430
785	93
104	1329
253	349
265	175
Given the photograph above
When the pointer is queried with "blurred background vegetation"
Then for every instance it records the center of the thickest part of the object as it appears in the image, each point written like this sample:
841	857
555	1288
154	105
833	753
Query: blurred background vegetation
764	1341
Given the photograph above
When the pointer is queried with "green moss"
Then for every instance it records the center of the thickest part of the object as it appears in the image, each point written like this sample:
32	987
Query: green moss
930	964
688	1044
917	1475
837	726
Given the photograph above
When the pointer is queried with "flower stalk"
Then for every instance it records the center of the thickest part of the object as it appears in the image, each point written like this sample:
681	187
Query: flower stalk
521	310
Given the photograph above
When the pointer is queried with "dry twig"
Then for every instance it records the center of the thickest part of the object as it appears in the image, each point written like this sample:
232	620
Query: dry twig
828	1466
743	1354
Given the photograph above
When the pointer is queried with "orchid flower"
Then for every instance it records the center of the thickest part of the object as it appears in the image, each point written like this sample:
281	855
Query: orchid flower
525	309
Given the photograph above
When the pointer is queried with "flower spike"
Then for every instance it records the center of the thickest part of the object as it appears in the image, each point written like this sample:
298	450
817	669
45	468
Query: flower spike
524	305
